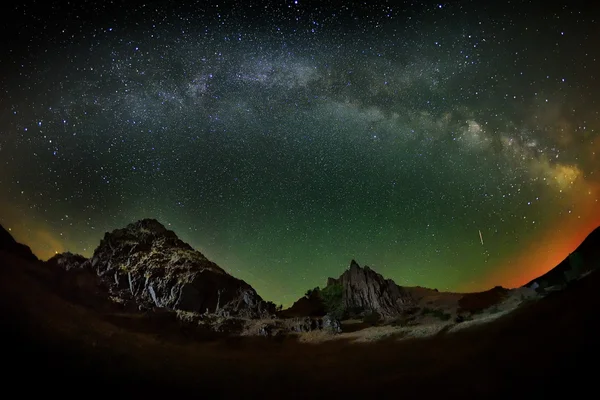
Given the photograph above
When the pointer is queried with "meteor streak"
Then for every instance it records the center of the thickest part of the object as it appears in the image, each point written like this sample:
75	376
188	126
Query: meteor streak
481	237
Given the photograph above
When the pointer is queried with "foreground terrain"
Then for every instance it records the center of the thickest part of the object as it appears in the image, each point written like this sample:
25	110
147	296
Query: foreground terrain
53	345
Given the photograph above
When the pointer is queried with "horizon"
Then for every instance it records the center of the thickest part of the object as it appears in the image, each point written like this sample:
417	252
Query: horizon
361	265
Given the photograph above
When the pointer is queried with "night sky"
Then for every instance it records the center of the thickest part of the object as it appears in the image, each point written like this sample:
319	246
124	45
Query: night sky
284	139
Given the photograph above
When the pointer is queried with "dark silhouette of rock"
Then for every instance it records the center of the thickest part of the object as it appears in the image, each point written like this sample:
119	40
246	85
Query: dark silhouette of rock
147	263
10	245
310	305
477	302
587	254
364	290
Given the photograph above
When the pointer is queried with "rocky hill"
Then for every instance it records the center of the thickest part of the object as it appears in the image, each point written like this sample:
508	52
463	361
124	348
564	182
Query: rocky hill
149	265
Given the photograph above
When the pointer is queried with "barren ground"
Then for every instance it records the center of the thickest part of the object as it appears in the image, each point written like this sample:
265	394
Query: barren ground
55	347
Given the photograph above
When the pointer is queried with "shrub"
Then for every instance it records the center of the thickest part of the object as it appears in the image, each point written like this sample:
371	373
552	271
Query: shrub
332	299
372	318
311	292
436	313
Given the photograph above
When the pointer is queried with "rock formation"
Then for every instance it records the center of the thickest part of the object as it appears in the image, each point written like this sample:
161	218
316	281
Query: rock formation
310	305
10	245
77	284
364	290
147	263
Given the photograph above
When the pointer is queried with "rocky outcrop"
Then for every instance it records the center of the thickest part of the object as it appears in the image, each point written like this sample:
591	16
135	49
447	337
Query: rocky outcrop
364	290
331	324
147	263
10	245
277	327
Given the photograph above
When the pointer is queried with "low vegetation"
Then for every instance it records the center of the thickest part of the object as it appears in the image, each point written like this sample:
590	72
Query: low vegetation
434	312
372	318
332	299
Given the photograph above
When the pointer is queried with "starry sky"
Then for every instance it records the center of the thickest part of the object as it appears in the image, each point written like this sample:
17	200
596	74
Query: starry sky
448	145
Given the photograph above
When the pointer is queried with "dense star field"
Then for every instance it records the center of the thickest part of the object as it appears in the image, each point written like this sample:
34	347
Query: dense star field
448	145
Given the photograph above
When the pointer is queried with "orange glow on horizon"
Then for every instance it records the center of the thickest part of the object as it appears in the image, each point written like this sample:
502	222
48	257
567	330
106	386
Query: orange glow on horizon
549	250
42	243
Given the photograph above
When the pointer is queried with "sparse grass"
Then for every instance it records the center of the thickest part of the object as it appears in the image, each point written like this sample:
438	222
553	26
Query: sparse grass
253	326
513	352
403	321
372	334
372	318
117	300
435	312
316	337
494	310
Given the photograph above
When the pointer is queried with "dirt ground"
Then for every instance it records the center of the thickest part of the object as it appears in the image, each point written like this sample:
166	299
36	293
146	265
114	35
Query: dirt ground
50	346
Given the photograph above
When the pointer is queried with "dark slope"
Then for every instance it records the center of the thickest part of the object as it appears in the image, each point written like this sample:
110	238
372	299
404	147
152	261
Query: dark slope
588	255
546	347
310	305
9	244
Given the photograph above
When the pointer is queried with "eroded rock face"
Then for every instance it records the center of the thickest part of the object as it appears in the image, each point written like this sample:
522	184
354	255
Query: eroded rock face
149	264
366	290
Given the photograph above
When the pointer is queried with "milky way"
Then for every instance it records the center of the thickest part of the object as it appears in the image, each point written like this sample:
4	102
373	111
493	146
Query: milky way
444	145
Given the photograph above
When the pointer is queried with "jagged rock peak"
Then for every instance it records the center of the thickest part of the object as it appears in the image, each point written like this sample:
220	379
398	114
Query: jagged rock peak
365	290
